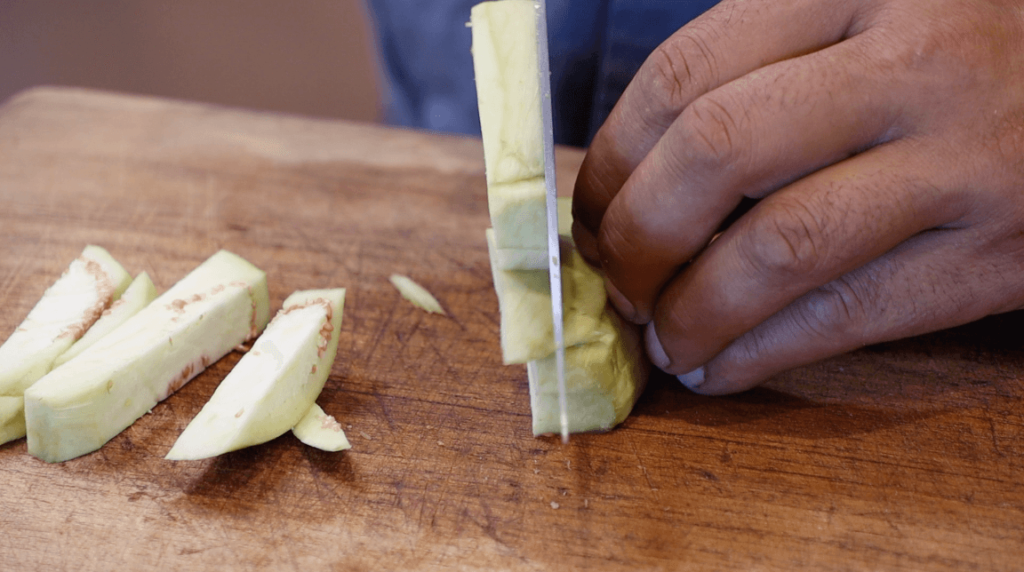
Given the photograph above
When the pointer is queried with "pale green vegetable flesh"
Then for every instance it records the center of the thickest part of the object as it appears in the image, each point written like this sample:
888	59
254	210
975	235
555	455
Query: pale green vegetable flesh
66	311
274	384
81	405
603	379
518	214
508	96
524	299
604	360
508	90
532	258
320	430
605	364
524	296
138	295
516	258
12	418
416	294
69	308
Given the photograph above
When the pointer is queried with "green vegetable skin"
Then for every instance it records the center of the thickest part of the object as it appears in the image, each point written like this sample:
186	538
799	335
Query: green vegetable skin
81	405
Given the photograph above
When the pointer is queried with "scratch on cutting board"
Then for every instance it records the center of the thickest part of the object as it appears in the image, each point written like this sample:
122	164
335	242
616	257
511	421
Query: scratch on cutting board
191	551
490	523
442	359
491	317
378	335
995	438
405	337
385	409
379	331
444	488
440	498
642	466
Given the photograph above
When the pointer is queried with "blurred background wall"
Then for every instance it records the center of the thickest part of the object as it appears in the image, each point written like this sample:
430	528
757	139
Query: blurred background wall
312	57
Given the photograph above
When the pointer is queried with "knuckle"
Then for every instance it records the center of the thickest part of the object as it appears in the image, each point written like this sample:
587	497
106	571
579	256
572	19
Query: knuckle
637	258
792	242
617	245
712	136
838	308
664	76
753	347
678	70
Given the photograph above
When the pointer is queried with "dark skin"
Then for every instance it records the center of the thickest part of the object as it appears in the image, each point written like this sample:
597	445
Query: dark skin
884	141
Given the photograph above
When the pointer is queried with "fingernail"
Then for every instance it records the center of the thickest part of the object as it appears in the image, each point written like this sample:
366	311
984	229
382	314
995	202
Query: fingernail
654	350
693	379
619	301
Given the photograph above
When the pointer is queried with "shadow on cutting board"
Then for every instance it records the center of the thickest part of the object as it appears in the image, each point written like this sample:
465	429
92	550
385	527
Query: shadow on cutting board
256	474
882	386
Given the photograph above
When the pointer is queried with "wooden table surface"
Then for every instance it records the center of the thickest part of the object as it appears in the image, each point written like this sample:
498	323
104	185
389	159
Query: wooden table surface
904	456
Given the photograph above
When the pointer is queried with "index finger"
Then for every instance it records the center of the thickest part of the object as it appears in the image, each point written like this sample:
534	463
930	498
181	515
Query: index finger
729	41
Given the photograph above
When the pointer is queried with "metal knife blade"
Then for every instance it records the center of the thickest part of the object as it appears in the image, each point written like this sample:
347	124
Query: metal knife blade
554	252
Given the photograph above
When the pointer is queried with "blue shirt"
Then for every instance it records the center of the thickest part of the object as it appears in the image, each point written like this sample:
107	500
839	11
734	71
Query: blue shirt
596	47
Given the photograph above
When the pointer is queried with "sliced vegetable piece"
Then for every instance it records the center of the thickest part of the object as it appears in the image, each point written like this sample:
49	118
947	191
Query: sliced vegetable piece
508	90
517	258
66	311
508	98
524	300
416	294
81	405
519	214
138	295
12	418
274	385
605	365
320	430
533	258
604	378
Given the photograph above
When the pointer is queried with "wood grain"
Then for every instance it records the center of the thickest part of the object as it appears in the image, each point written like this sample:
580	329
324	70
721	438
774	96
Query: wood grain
905	456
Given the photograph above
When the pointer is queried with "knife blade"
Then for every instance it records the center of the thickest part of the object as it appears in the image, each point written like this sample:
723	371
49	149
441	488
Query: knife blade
554	251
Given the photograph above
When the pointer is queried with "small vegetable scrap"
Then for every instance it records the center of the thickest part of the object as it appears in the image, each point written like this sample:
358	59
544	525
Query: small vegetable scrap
320	430
416	294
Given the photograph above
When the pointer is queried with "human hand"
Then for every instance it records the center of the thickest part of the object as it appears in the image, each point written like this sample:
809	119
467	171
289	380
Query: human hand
886	139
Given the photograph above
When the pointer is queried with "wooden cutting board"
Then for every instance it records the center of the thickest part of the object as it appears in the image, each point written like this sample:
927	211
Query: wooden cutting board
904	456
